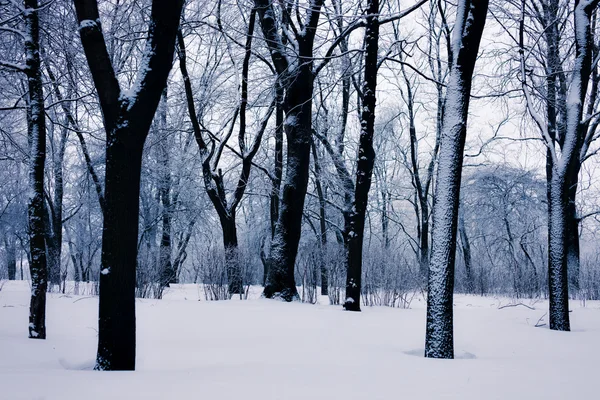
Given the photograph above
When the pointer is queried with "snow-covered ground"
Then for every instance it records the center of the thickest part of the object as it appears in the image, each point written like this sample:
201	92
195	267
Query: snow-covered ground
268	350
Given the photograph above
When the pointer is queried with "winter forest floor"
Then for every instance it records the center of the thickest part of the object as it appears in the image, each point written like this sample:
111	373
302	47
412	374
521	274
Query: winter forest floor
263	349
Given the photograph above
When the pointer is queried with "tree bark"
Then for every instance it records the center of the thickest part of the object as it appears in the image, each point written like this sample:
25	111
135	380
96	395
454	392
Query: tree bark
37	150
365	162
468	28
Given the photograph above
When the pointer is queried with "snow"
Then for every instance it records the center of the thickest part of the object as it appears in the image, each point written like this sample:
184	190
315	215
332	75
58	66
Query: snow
87	23
270	350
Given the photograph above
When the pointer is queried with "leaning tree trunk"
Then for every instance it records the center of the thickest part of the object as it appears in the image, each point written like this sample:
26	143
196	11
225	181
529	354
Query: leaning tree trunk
468	28
364	164
37	151
127	120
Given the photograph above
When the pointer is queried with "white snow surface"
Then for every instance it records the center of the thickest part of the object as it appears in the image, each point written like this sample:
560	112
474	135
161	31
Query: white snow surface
265	349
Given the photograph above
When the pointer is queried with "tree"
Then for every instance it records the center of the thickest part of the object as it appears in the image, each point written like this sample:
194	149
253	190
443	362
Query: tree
127	120
365	161
295	74
36	122
567	130
212	174
468	29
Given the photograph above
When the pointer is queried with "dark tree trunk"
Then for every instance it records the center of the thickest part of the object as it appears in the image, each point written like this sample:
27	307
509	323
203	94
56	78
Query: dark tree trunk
468	28
364	164
280	279
297	81
278	170
322	222
572	246
10	246
127	121
466	251
232	260
55	214
37	150
165	251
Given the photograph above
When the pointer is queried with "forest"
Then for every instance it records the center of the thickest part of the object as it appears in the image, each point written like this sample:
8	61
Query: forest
352	154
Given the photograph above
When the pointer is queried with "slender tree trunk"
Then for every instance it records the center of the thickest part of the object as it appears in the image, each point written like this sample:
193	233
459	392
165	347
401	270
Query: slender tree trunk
573	235
165	251
278	170
10	246
55	217
365	162
322	222
466	250
37	150
468	28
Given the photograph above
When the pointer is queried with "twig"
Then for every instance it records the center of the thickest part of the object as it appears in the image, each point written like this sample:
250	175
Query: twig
514	305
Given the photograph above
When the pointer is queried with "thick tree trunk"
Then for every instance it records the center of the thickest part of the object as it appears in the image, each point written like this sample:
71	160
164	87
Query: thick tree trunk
470	20
567	167
297	79
284	248
365	162
557	255
37	150
232	260
116	319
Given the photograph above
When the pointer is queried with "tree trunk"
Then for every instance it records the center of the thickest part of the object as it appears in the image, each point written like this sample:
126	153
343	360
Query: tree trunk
322	237
37	150
284	248
573	235
557	255
232	260
116	319
470	20
165	251
297	81
11	254
466	250
364	164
